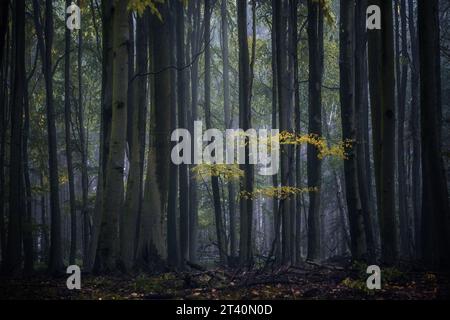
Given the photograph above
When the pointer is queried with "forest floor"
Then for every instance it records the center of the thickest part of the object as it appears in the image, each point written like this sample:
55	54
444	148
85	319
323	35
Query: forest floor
306	282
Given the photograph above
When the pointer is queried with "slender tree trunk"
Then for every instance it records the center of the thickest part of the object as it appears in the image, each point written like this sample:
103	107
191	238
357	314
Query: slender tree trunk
83	151
220	231
173	253
362	126
314	164
246	205
182	123
193	205
348	119
415	129
275	124
228	124
105	130
69	149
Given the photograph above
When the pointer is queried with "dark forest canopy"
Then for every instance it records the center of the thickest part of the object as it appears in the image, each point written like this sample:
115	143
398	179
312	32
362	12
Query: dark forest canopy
86	117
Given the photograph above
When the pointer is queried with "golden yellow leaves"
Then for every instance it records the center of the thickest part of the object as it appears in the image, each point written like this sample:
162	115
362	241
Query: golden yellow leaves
281	193
228	172
337	150
139	6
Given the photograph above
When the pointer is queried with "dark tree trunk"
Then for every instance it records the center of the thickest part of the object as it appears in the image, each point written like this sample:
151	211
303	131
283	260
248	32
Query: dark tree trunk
314	164
362	126
348	119
435	206
246	205
4	49
193	205
220	231
69	149
415	129
13	263
105	129
382	94
45	47
83	152
182	123
228	124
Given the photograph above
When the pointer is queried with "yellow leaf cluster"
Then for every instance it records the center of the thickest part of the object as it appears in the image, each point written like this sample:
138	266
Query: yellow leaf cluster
282	192
226	171
338	150
139	6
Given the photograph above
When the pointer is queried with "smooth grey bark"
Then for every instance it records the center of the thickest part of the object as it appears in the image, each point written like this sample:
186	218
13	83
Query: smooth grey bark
108	246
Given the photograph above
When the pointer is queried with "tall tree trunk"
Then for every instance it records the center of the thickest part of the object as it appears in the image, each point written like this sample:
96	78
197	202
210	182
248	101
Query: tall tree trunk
173	253
382	94
228	123
105	129
220	231
134	182
246	205
314	164
275	124
4	49
27	227
69	149
402	78
182	123
297	112
435	206
83	151
362	126
193	205
348	119
13	263
415	128
281	11
151	246
108	246
55	260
